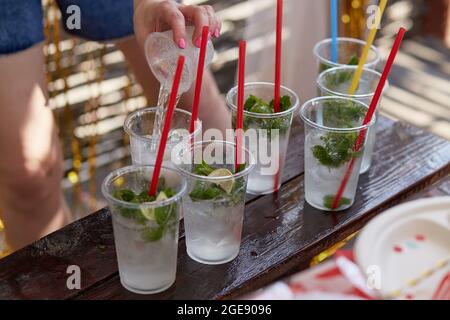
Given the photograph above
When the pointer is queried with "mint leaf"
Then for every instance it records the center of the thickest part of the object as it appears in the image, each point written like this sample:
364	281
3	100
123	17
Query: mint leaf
126	195
164	216
203	169
170	192
152	234
210	191
249	103
329	200
205	191
285	103
237	193
261	108
241	167
252	102
343	114
145	197
321	154
338	149
334	80
354	61
255	105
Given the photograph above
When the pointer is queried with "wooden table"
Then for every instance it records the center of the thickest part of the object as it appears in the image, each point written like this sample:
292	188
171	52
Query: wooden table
281	232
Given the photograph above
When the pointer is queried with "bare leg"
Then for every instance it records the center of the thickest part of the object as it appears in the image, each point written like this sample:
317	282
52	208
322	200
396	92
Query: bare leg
213	111
30	162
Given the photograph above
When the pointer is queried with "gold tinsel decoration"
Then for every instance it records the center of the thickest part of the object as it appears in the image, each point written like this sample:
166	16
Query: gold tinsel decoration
86	58
66	125
353	18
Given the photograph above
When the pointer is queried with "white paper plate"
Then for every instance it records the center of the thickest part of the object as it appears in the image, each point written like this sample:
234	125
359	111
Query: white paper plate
404	244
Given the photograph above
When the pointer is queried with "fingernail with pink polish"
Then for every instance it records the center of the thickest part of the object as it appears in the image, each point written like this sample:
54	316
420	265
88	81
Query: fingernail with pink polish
198	43
182	44
217	33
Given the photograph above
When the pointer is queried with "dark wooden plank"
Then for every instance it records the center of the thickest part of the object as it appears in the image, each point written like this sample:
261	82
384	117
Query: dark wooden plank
440	189
39	270
282	233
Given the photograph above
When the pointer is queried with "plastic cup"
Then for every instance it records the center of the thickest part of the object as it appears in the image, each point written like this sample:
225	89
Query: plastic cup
337	81
332	125
162	56
214	205
266	136
146	244
348	49
139	126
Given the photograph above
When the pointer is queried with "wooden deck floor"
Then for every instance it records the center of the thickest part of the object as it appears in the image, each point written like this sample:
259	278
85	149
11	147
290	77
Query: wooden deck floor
420	86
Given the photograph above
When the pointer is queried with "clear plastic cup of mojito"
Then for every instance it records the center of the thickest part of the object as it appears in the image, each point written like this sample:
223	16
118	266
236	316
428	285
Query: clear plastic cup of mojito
144	147
332	126
266	133
349	52
337	81
145	228
214	203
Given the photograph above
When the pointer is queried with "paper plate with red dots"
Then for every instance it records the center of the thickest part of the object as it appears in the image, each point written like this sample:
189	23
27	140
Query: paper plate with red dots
405	252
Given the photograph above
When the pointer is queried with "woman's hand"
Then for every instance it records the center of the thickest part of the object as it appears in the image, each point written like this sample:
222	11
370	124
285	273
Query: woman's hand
161	15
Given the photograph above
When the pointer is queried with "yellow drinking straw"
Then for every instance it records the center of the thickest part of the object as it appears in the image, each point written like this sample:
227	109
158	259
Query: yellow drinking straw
365	53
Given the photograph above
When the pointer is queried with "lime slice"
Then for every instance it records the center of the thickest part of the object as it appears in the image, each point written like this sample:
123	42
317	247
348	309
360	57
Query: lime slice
149	213
161	197
226	185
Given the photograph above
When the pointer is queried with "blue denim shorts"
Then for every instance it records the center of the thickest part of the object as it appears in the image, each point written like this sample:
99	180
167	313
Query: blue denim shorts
21	21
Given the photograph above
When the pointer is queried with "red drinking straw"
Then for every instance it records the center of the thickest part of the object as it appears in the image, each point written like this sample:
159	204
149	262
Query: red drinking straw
240	104
199	81
276	104
165	133
276	98
369	115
